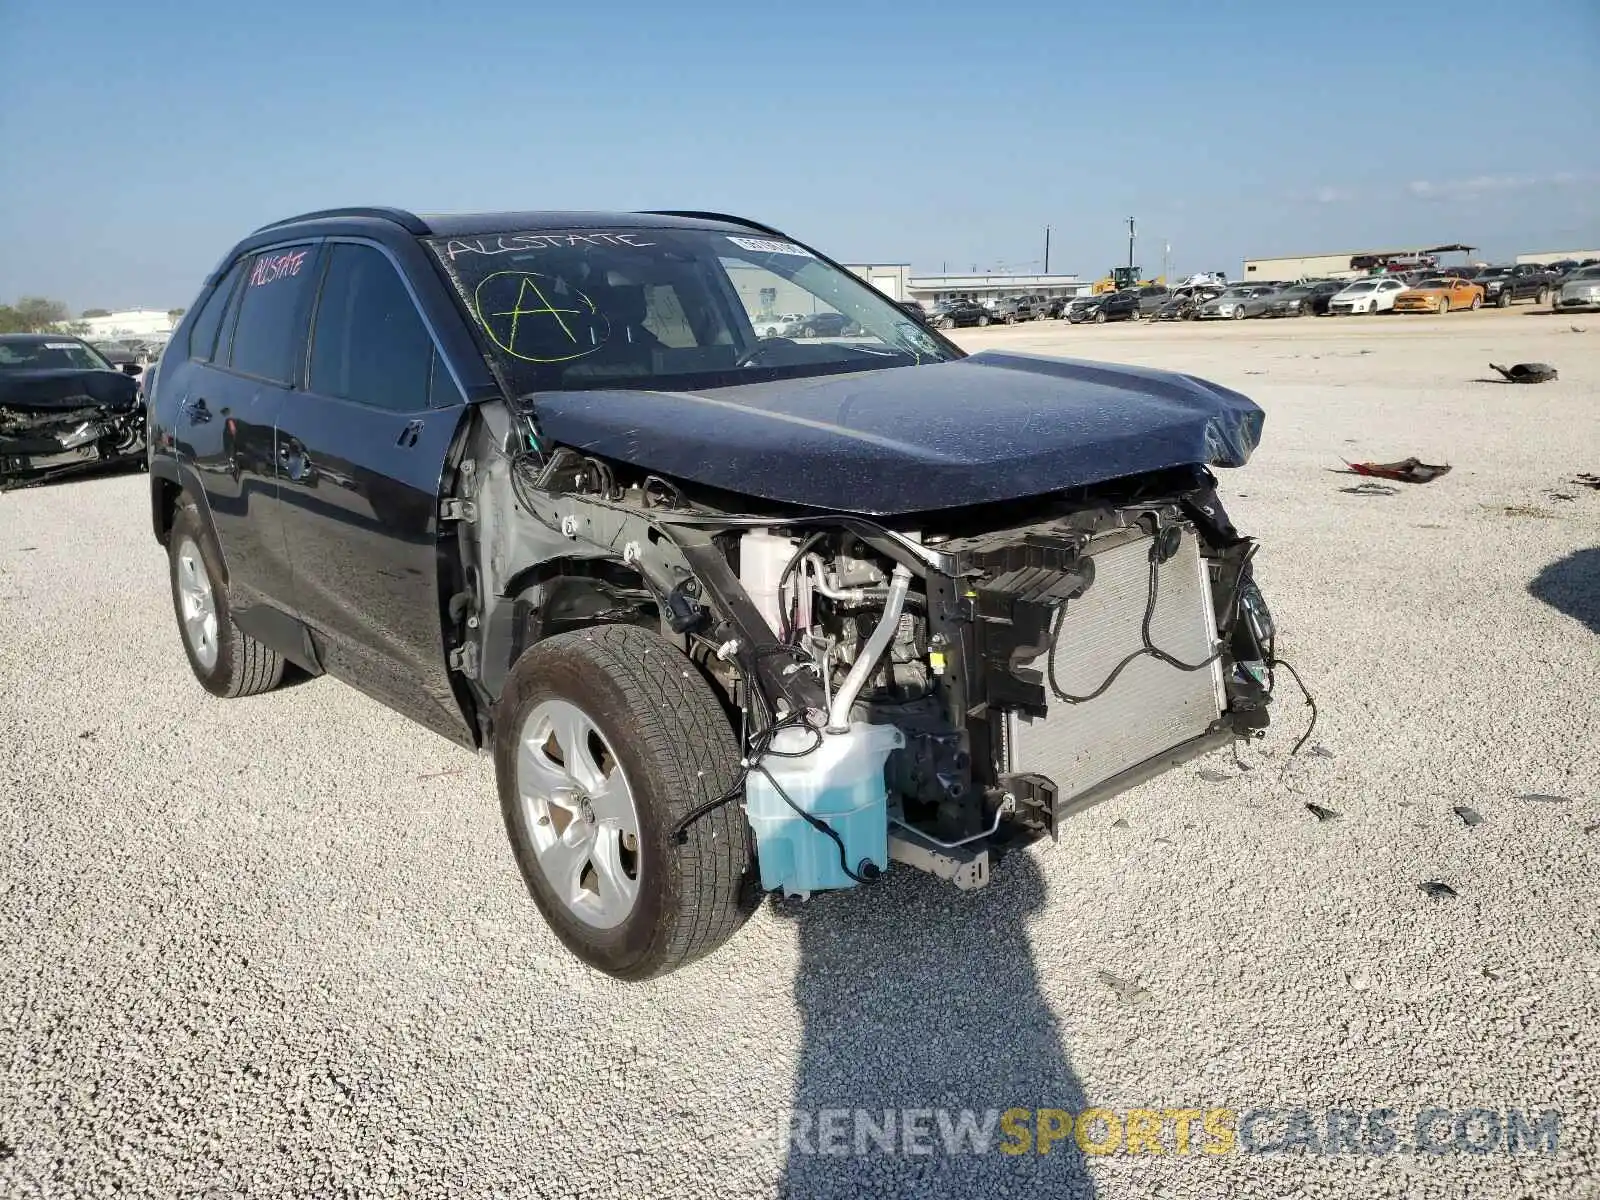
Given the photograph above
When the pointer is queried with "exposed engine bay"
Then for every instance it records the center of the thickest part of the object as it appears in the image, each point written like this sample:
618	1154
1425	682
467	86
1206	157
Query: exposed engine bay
931	689
54	423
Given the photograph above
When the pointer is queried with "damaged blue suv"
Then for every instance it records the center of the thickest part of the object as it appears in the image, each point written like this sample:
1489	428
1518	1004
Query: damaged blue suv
733	613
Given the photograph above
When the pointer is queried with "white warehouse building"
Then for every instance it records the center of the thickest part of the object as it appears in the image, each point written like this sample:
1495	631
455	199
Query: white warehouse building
144	323
1344	264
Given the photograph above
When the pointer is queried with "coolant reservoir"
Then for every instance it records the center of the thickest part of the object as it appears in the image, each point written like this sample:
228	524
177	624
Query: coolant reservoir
762	557
841	782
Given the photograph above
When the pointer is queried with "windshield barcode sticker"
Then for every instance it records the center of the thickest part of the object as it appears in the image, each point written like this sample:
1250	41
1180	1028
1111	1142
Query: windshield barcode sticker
61	345
767	246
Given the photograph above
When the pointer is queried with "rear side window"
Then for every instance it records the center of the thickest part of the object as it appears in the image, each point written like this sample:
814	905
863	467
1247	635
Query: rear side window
203	333
369	343
272	313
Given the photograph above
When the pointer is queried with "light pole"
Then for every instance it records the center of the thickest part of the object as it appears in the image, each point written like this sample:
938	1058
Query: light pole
1130	243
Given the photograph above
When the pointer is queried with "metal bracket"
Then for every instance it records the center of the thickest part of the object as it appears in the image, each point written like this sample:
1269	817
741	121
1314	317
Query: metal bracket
967	869
464	658
456	509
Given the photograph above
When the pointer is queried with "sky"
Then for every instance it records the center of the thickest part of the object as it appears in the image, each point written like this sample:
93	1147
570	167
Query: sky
139	141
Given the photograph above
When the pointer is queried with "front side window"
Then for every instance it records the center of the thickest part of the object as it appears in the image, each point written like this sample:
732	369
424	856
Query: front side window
672	308
271	306
368	342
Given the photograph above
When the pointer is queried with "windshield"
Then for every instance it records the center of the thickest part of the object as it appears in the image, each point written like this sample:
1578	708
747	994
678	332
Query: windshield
1438	282
672	308
1237	294
45	354
1361	287
1492	272
1587	273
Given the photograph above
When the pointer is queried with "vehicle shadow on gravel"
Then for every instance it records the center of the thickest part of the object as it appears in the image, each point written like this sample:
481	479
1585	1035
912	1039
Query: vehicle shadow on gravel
916	996
1571	585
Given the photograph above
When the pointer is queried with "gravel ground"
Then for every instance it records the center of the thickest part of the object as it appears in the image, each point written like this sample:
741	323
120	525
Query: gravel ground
278	946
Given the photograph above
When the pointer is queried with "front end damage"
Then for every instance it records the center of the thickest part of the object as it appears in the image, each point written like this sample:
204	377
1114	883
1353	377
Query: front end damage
64	428
930	690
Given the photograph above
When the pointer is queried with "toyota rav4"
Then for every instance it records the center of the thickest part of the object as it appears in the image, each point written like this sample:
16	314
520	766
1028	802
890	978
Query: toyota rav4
734	613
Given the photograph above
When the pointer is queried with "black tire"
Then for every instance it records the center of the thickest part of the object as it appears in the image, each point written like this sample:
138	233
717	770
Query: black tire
1504	299
982	321
1542	297
1444	305
1099	316
243	666
672	739
1238	313
809	331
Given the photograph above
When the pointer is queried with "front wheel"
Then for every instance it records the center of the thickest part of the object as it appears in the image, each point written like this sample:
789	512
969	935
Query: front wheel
1477	301
1100	316
1504	299
1444	305
227	662
982	321
605	739
1542	297
1238	313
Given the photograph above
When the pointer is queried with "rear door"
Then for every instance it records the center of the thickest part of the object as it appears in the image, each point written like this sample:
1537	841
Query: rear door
240	369
361	453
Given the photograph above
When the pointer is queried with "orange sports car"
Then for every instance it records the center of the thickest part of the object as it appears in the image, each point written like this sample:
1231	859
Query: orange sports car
1439	294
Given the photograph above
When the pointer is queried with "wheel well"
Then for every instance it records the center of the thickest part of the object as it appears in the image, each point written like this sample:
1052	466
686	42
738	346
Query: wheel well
164	506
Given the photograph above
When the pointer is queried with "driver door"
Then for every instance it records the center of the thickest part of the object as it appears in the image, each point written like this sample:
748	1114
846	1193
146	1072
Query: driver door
361	453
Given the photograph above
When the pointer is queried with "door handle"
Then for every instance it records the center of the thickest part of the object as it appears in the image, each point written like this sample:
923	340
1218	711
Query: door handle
408	435
196	410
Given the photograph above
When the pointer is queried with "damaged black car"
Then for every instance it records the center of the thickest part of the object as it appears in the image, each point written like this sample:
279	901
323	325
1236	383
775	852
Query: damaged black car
64	409
734	615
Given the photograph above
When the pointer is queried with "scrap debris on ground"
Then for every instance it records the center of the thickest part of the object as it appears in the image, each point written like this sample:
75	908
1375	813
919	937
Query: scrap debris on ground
1408	470
1437	890
1323	814
1469	816
1126	990
1527	372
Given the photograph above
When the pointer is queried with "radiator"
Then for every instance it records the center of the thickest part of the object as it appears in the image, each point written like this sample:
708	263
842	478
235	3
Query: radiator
1152	706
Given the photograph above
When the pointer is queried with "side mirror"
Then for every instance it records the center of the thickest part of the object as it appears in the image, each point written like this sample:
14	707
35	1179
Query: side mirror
132	369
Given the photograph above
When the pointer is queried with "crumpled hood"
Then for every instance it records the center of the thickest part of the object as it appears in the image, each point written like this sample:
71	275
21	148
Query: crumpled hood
68	388
989	427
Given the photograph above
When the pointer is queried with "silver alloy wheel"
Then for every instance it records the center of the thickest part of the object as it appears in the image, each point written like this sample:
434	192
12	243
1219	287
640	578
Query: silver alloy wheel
199	604
579	812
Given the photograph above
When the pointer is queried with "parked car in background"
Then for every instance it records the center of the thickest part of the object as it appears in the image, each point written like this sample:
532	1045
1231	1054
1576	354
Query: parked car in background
1579	290
821	325
1077	304
64	408
558	536
914	308
1108	306
774	324
1182	305
1366	296
1238	302
1505	285
1562	267
958	314
1015	309
1309	299
1151	297
1439	295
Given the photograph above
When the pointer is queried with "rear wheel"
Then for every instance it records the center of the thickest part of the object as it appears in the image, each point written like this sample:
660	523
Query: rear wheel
1544	295
605	739
227	662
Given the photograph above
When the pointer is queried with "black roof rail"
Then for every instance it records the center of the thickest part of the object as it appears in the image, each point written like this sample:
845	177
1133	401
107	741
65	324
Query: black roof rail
408	221
712	216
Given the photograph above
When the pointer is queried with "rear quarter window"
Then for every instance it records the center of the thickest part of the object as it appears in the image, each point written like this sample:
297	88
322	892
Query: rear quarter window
272	312
203	333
